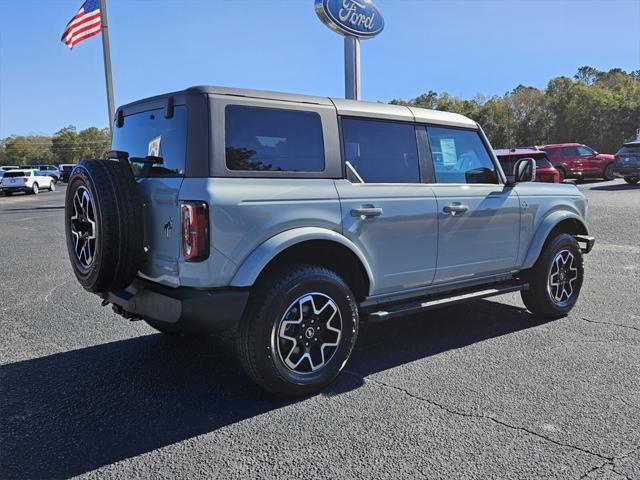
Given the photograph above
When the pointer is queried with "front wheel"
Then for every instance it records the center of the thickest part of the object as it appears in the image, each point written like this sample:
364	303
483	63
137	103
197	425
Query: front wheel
556	278
299	330
52	186
631	180
607	173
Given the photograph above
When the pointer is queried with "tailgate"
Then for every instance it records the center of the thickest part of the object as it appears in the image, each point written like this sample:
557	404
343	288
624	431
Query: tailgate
161	228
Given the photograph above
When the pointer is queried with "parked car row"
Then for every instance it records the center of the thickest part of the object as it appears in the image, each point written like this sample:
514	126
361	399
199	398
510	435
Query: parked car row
558	162
26	180
57	173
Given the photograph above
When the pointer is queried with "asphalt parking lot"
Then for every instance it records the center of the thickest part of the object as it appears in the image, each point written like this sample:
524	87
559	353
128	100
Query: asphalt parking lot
482	390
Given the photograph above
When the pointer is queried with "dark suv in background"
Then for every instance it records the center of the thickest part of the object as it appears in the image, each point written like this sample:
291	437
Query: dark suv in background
574	160
627	163
545	172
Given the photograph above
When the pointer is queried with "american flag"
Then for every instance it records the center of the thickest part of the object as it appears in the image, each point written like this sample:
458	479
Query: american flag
85	24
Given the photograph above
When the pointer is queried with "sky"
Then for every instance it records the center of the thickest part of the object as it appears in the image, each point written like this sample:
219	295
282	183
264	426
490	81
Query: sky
464	47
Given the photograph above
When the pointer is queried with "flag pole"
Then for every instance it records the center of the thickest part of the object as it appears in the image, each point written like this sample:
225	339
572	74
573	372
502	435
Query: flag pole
107	62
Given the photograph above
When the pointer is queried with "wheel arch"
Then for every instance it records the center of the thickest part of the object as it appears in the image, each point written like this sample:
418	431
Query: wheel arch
310	245
557	222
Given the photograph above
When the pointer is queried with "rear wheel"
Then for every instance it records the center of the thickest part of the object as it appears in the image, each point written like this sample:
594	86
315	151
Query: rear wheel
631	180
35	189
607	173
556	278
298	331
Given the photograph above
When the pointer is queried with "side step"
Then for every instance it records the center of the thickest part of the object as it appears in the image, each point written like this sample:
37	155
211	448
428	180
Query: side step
415	306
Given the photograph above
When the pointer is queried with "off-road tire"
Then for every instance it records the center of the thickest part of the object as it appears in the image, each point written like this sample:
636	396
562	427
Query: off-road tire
257	340
631	180
607	173
538	297
118	252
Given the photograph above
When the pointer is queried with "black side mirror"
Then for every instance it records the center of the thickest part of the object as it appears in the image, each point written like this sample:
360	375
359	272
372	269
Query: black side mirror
524	170
480	175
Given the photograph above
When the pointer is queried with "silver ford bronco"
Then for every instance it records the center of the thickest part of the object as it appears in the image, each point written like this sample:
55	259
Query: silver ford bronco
292	218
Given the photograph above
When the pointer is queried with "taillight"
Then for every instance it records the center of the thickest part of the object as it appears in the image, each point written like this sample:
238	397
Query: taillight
195	231
26	179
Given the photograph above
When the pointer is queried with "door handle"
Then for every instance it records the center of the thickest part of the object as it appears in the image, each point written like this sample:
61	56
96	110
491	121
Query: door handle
455	208
366	211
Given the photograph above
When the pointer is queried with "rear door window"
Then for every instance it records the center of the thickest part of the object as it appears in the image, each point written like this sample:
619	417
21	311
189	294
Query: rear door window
569	152
459	156
381	152
151	134
273	140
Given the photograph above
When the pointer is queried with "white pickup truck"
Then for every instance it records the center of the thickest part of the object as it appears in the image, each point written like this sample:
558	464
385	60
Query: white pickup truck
28	181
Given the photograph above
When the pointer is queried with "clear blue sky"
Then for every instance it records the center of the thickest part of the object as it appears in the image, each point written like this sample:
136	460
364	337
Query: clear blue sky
464	47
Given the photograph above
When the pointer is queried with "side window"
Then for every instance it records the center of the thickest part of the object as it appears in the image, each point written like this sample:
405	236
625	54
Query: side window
459	156
569	152
381	152
266	139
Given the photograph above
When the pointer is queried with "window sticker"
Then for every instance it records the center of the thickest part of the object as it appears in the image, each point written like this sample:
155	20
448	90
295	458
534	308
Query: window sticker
154	147
448	149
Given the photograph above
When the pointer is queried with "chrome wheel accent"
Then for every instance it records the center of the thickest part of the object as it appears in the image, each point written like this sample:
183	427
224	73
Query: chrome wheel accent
308	334
83	227
562	277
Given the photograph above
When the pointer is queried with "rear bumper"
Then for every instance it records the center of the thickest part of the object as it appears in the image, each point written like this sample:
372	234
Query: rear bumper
626	171
188	310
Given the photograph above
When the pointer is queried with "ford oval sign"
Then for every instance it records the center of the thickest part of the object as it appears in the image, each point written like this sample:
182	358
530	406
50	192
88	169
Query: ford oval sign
357	18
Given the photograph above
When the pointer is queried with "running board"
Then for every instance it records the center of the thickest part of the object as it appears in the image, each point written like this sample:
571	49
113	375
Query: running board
436	302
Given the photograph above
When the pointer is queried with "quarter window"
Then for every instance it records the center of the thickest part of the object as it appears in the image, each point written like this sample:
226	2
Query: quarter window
459	156
381	152
273	140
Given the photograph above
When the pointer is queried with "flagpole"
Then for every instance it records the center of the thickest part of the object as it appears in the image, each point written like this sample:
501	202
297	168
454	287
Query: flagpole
107	62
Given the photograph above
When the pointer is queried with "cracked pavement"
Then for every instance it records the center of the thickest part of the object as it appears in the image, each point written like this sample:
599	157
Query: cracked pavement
482	390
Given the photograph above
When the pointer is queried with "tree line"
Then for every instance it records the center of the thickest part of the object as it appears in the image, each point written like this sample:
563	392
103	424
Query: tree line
65	146
600	109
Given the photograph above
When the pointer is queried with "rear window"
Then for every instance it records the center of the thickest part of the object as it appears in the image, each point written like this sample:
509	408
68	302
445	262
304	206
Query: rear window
543	163
16	173
150	134
273	140
629	150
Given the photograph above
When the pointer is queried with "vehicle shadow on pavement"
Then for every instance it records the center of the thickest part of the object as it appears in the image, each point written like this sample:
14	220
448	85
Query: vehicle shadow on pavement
618	186
73	412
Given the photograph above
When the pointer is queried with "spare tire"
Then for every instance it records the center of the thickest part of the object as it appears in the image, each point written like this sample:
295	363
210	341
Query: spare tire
104	225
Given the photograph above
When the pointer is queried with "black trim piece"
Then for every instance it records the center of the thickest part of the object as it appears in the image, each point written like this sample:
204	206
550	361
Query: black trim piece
450	298
168	112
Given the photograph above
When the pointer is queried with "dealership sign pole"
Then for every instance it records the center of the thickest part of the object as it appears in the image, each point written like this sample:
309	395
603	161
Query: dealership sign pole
355	20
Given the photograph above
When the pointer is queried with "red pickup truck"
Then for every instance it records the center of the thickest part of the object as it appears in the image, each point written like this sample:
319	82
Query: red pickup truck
574	160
